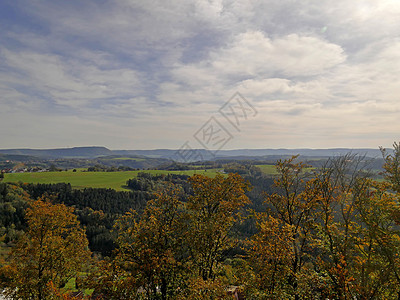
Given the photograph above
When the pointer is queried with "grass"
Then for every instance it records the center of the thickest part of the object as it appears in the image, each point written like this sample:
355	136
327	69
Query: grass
271	169
79	179
268	169
112	180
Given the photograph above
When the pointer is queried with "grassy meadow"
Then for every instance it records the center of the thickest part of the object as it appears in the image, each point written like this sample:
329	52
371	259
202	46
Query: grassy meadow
267	169
112	180
271	169
80	179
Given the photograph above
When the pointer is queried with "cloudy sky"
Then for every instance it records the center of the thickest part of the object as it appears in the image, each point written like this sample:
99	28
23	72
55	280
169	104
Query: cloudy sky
146	74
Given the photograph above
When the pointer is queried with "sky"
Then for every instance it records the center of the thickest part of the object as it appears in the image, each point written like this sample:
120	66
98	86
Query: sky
150	74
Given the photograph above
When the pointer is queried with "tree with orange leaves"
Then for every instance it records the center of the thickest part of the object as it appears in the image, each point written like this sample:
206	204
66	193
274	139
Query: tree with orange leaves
212	211
292	208
356	234
392	166
150	247
51	252
271	255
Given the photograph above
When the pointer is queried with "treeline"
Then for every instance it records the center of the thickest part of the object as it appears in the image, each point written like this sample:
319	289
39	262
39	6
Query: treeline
102	168
96	208
107	200
153	182
13	203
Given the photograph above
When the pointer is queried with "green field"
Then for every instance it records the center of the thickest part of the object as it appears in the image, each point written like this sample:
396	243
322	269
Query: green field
79	179
267	169
271	169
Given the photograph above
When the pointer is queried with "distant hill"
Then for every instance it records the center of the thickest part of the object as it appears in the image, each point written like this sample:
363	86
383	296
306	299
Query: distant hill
248	153
16	157
75	152
157	153
373	153
190	155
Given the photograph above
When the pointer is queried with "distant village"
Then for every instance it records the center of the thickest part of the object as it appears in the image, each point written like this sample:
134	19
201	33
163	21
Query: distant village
25	170
10	166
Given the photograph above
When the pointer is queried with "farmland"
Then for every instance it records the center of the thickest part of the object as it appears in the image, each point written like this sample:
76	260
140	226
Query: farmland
268	169
271	169
80	179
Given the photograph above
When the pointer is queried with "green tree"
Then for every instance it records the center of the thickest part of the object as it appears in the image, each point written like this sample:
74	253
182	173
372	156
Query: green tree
51	252
13	202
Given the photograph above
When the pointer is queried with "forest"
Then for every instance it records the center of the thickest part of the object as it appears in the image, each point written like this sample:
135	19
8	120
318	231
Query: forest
328	232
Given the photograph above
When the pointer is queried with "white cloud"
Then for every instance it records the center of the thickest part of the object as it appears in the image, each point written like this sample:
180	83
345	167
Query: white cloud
252	55
68	81
281	88
255	55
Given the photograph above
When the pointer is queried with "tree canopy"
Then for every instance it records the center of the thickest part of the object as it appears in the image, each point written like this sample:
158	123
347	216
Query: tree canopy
51	252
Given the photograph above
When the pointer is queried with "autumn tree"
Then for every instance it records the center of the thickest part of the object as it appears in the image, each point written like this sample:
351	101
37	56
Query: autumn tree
51	252
338	184
292	208
212	211
109	279
377	261
150	245
392	166
171	250
271	254
196	288
335	228
355	231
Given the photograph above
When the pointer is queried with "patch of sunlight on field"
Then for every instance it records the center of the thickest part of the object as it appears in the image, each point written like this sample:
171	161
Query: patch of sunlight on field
79	179
271	169
267	169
